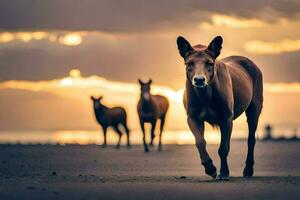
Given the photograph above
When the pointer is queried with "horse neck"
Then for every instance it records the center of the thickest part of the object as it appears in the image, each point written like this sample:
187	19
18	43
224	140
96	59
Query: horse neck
101	111
147	105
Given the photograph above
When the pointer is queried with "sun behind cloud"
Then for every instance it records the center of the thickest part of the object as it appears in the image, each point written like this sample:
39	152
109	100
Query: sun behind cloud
72	39
75	73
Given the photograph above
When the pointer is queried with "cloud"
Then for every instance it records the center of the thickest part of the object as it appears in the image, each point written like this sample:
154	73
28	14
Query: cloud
232	22
282	46
133	15
114	56
75	81
126	57
25	36
64	38
282	87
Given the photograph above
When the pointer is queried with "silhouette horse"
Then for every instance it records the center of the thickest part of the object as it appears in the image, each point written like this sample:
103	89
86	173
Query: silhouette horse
150	108
111	117
217	92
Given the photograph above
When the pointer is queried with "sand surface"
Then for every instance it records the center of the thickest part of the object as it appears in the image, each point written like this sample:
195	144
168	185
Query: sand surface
90	172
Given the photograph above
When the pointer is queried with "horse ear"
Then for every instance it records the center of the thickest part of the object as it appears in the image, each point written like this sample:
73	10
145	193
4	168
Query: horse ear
141	82
92	97
100	98
183	46
215	46
150	81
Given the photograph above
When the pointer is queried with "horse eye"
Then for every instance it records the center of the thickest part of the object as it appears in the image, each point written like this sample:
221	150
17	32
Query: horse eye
189	68
210	64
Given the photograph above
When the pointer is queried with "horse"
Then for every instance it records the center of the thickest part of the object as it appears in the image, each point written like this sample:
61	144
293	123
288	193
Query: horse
111	117
150	108
218	91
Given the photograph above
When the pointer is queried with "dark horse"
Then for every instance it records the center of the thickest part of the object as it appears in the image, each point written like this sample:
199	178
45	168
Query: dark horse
150	108
111	117
217	92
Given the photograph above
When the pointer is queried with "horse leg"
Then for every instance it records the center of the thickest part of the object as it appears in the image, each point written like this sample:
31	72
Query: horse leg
162	123
153	125
127	134
252	114
226	129
120	135
142	124
197	129
104	128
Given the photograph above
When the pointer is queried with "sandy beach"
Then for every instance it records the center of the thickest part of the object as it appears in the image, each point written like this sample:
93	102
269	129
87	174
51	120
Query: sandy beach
91	172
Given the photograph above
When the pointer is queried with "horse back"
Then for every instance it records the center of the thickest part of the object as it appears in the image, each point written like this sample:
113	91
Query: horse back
115	115
117	112
246	80
245	64
162	103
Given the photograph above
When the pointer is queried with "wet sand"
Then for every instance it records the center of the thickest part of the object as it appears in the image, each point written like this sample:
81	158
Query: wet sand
90	172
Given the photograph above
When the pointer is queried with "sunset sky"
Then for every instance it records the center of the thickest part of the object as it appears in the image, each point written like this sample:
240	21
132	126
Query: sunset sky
112	43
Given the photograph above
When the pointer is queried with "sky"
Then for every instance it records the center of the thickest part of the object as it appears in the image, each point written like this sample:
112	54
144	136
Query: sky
112	43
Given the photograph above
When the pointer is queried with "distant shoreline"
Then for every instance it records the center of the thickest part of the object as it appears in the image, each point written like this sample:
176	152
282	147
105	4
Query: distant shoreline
275	140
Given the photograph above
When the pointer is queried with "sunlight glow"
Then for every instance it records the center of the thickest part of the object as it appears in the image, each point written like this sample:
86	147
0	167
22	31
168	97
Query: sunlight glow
75	80
66	82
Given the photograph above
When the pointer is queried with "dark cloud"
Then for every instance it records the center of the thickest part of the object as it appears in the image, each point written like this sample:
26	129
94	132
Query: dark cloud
140	53
280	68
122	60
127	16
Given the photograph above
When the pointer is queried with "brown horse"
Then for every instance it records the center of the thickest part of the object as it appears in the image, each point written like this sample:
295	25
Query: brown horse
150	108
218	91
110	117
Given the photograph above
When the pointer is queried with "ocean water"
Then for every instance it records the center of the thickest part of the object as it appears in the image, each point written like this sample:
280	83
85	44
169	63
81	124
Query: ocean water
96	136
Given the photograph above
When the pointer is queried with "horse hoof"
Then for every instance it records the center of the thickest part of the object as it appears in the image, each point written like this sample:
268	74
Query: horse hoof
210	169
146	150
103	146
248	172
223	177
214	176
